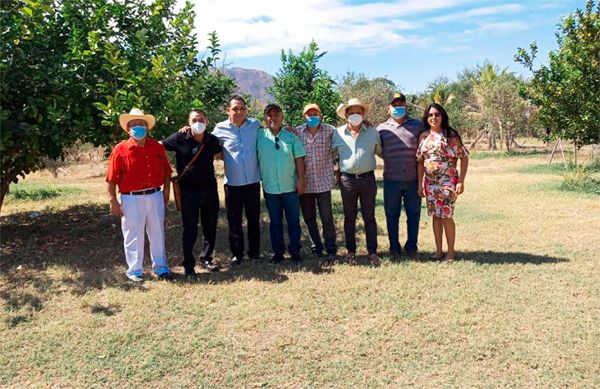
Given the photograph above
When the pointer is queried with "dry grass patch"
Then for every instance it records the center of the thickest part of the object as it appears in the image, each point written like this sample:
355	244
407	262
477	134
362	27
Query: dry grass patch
520	308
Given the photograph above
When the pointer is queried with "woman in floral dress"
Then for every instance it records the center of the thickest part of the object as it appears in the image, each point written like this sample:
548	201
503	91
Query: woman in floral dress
439	180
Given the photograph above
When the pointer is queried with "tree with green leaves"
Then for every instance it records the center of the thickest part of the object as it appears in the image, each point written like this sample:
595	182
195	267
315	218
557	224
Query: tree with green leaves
567	90
377	91
68	69
299	81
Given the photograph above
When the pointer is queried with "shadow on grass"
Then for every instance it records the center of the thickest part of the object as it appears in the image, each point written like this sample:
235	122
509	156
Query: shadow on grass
498	258
80	249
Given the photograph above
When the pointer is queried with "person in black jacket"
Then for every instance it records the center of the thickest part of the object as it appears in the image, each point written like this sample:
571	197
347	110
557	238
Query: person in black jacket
199	195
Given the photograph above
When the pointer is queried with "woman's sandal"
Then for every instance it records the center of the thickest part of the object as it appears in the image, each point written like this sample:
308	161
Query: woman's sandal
434	258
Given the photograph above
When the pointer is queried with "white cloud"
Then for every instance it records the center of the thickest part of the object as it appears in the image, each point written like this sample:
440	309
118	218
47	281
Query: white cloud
478	12
262	27
265	27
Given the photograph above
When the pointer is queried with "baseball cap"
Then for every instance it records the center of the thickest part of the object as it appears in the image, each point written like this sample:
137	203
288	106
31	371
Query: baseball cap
309	107
398	96
272	106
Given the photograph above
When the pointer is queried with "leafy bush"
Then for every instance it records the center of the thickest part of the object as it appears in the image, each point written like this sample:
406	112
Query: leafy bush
580	179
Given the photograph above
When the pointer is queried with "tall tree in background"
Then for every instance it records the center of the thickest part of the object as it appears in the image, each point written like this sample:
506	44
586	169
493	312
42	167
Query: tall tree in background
567	90
69	68
299	81
377	91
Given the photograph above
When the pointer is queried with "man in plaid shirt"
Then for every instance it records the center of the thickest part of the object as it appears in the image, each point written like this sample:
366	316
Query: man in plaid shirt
316	138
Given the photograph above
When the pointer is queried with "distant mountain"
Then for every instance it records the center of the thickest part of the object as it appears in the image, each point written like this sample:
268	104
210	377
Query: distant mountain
254	82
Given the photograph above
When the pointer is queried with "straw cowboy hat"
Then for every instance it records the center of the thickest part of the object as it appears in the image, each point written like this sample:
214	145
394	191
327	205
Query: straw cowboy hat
134	114
354	102
309	107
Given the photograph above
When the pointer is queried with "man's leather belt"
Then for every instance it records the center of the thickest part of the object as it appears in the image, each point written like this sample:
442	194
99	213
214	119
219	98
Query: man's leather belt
142	192
358	176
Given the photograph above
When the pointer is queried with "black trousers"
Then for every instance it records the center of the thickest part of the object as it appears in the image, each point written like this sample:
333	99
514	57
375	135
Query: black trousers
309	203
206	205
239	199
365	190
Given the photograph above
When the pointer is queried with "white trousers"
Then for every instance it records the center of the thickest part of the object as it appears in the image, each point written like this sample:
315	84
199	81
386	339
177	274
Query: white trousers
144	214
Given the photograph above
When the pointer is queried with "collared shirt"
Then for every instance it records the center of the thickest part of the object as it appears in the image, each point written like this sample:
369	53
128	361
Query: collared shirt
278	165
356	155
239	151
319	159
399	143
201	175
133	167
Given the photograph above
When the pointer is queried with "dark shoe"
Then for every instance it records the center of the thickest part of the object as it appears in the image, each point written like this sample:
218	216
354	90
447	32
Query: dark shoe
235	261
209	265
165	276
330	260
394	255
296	259
411	254
375	261
190	275
276	259
254	256
351	258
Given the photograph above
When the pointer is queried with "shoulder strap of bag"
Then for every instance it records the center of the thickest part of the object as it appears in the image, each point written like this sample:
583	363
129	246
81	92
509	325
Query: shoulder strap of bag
187	167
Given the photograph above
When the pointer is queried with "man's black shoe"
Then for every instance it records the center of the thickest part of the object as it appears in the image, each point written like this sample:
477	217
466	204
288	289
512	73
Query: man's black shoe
209	265
165	276
276	258
296	260
190	275
235	261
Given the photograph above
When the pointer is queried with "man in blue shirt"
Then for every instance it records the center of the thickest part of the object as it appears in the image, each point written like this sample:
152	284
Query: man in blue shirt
281	163
237	136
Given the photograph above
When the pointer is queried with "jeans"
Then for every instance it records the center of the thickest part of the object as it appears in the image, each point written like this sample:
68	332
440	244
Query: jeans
205	203
309	211
364	189
238	199
277	205
395	193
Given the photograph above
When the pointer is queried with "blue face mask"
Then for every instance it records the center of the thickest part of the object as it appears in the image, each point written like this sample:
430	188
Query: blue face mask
138	132
313	121
398	112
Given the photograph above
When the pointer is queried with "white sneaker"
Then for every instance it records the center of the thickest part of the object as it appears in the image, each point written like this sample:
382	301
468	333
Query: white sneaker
135	278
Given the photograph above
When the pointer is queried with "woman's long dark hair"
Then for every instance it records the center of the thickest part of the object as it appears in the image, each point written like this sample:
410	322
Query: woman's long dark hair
447	131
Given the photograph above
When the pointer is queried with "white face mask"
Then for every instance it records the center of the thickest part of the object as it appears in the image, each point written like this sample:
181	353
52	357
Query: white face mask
198	128
355	119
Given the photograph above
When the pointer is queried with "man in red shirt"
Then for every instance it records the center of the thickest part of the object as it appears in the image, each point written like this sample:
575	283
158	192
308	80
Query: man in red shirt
139	167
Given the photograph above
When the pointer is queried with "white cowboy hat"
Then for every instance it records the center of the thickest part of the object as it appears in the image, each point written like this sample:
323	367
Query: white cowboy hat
353	102
134	114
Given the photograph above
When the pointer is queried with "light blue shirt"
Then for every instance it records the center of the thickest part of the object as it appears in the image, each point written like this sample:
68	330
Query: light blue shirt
278	165
239	151
356	155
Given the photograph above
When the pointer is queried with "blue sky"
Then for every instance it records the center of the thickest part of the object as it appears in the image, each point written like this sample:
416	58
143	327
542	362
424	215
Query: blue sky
411	42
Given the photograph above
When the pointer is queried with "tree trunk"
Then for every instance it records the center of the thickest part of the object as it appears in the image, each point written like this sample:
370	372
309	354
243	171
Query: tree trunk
478	137
4	185
492	144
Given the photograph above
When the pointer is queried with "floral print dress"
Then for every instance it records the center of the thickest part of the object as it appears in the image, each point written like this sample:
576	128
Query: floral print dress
441	175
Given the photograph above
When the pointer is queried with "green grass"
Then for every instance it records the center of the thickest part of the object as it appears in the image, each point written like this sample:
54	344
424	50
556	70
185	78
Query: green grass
39	192
503	154
520	307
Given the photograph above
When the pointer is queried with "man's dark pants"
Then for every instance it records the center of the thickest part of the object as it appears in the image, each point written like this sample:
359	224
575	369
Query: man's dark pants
309	203
239	199
396	193
205	203
277	205
364	189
